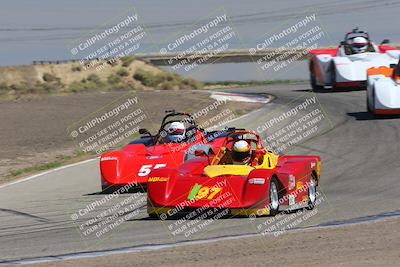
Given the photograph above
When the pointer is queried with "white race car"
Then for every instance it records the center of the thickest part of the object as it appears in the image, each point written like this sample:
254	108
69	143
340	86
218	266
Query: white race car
383	90
346	66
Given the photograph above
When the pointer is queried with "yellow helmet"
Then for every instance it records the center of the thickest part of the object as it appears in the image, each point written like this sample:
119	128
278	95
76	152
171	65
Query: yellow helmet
241	151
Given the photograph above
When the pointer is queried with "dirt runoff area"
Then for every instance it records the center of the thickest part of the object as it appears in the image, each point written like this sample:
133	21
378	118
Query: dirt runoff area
372	244
34	129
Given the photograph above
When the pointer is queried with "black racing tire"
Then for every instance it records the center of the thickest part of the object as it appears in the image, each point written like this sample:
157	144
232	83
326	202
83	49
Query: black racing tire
376	116
333	76
273	195
107	189
373	101
313	79
312	192
368	108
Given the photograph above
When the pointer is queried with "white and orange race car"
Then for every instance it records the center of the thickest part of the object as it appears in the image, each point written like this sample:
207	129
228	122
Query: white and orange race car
346	66
383	90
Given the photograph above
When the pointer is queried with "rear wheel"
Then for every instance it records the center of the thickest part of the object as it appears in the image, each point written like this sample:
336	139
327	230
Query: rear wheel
273	197
312	192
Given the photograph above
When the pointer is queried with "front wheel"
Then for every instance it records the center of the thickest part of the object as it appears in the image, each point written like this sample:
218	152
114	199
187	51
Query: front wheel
333	77
368	107
273	197
313	80
312	193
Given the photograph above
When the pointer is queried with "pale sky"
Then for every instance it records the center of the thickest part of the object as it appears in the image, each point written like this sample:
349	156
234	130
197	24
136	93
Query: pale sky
44	29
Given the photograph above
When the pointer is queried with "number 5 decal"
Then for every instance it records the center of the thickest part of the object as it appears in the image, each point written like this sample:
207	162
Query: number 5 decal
146	169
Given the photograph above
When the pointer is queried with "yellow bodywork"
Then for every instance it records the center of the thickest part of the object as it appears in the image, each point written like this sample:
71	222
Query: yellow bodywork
219	170
269	161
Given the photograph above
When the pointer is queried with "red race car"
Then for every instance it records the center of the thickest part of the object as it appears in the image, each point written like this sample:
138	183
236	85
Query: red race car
168	148
242	178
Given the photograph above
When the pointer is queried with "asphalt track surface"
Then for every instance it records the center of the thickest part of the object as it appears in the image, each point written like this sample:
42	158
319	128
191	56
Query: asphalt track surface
359	178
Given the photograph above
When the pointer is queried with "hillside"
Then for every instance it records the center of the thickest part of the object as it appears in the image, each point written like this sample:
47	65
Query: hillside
125	74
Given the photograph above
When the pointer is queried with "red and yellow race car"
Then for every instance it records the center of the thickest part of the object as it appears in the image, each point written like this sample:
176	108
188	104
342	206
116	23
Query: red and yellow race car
262	184
170	147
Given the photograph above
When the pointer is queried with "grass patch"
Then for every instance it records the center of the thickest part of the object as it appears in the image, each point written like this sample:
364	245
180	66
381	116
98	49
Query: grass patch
126	61
76	68
122	72
35	88
47	77
165	81
60	161
42	167
114	79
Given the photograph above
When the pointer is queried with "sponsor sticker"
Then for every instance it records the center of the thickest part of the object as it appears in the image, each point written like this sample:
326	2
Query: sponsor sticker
158	179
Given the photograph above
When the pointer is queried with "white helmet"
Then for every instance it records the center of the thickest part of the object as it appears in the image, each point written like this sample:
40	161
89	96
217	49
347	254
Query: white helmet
176	132
359	45
241	151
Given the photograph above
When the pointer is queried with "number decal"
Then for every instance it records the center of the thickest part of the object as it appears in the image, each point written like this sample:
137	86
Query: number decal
146	169
214	191
160	165
200	192
203	192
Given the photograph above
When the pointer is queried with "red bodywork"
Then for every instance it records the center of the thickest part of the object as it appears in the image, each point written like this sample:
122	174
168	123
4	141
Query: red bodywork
334	51
132	165
387	111
170	190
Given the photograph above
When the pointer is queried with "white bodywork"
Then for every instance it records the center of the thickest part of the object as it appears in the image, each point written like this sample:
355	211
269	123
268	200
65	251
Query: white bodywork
352	68
382	93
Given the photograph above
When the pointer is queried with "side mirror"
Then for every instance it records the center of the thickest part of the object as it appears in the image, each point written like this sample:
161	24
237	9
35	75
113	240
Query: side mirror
200	153
144	131
385	41
393	66
342	43
260	152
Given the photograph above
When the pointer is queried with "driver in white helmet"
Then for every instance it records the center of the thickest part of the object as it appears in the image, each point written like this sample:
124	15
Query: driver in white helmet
358	45
241	153
176	132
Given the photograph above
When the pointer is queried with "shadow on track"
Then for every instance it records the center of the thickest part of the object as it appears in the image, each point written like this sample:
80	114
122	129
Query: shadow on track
330	90
110	190
366	116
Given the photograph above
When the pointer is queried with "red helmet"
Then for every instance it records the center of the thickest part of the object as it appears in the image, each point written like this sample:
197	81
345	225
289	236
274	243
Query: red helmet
176	132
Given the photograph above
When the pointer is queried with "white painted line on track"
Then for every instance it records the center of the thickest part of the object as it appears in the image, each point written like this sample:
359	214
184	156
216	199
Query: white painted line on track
46	172
270	98
248	98
153	247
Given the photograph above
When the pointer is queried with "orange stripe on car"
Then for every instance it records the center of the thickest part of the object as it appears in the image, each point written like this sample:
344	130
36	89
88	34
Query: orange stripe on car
387	72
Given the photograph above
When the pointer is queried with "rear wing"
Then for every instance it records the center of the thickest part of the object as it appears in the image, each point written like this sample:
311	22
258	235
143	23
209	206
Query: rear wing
329	51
